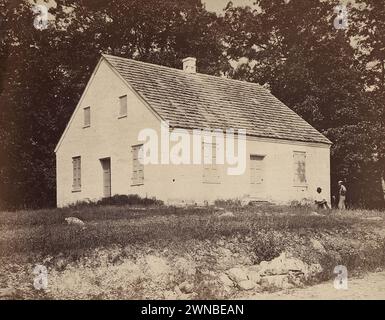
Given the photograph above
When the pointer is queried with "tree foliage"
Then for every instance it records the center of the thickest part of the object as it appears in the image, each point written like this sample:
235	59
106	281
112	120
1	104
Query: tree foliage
321	73
43	73
333	78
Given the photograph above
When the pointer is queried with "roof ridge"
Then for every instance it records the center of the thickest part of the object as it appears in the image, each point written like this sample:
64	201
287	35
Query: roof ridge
183	72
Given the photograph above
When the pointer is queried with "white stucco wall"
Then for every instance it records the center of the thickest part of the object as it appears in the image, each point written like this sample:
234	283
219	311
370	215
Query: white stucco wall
112	137
279	186
108	136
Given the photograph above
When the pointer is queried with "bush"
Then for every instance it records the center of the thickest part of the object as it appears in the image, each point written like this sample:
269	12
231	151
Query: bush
228	203
120	200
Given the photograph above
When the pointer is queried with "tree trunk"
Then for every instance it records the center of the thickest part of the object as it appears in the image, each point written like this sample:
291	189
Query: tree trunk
383	183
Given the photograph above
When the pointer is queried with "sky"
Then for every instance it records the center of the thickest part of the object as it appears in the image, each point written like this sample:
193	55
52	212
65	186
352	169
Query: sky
216	5
211	5
219	5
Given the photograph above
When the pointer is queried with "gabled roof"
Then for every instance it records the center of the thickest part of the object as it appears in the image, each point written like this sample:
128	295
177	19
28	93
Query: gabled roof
199	101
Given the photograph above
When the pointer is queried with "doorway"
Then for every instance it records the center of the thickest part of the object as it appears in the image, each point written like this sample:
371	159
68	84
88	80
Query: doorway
106	166
257	175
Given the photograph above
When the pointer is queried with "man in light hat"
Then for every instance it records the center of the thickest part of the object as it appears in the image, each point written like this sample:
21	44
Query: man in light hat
342	195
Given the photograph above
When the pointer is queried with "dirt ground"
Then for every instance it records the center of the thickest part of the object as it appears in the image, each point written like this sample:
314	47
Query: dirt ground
369	287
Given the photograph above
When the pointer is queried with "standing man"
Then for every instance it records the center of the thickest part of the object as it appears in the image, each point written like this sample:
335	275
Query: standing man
342	195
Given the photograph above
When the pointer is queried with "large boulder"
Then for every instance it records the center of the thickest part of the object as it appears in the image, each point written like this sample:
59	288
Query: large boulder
246	285
254	276
283	264
225	280
75	222
237	274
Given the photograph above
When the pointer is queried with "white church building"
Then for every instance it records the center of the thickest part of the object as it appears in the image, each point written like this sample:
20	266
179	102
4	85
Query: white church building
275	156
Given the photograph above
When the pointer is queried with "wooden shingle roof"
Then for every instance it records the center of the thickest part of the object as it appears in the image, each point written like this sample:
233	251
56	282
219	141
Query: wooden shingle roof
199	101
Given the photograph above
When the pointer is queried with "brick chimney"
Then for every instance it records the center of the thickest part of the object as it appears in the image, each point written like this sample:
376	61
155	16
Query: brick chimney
189	65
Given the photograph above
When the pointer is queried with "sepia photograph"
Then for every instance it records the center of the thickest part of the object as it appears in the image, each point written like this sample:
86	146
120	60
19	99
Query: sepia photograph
213	153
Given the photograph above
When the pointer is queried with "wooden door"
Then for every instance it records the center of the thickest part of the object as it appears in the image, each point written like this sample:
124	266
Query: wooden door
106	165
257	175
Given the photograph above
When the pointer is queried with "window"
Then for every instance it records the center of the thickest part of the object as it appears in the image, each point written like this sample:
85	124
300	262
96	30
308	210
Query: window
123	106
299	168
210	167
76	165
87	117
137	165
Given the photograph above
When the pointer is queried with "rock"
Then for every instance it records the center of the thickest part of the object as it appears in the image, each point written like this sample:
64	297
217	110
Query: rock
256	267
156	266
192	295
74	221
317	245
186	287
226	214
169	295
316	214
280	282
258	288
373	218
254	276
262	266
225	280
246	285
7	292
237	274
185	296
185	267
227	289
178	291
283	265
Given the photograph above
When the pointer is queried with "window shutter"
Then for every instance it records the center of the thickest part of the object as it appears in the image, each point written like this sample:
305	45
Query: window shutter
137	165
123	106
87	117
210	170
74	173
299	168
76	163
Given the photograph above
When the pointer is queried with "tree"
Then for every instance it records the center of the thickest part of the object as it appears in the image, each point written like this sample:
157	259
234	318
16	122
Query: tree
27	117
43	73
369	33
295	50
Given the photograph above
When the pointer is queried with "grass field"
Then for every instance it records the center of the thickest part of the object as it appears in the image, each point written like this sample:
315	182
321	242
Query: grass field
46	231
115	235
